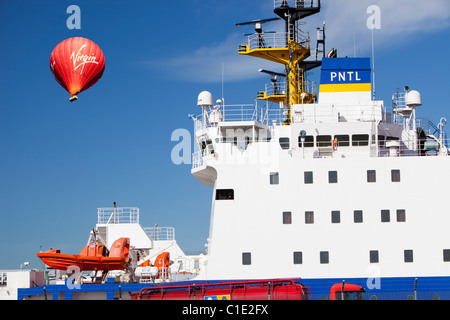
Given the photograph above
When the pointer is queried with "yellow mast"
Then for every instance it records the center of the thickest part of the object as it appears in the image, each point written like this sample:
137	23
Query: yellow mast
290	51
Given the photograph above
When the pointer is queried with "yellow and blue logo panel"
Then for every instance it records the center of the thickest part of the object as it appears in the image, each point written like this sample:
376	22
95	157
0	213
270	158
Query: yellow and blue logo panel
345	75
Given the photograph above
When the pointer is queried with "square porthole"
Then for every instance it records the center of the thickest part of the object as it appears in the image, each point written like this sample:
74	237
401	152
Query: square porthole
246	258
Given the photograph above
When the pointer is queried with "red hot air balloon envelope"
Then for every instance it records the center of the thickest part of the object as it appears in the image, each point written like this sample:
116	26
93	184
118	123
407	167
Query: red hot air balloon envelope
77	64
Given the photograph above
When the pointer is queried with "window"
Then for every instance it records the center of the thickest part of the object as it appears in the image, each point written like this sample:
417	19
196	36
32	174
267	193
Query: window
308	177
385	216
373	255
246	258
309	217
324	257
401	215
395	175
360	140
408	255
284	143
335	217
371	176
287	217
381	141
358	216
332	177
224	194
309	142
3	279
298	257
323	141
274	178
342	140
446	253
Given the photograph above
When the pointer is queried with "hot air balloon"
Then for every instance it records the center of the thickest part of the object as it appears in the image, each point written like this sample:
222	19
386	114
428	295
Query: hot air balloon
77	64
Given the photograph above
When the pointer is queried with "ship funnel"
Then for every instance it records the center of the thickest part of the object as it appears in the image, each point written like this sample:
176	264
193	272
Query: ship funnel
205	99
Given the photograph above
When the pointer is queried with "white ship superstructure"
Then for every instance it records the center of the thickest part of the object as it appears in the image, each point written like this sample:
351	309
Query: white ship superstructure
334	185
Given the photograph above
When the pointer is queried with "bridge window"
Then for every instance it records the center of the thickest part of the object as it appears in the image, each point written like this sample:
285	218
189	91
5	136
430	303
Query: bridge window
324	141
309	142
342	140
360	140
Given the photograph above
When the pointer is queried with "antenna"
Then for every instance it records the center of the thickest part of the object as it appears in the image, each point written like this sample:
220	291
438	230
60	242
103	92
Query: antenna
222	82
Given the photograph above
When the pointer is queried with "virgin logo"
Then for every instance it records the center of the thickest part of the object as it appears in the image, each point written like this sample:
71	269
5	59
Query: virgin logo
79	60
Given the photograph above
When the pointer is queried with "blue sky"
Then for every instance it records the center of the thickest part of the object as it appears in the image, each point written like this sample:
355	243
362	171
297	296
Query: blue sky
60	161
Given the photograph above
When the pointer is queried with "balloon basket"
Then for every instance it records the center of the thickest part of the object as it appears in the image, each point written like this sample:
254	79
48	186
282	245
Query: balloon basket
73	98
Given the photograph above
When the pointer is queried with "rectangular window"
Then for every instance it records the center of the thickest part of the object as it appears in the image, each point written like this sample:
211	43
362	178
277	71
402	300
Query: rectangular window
323	141
373	254
284	143
335	217
401	215
274	178
309	142
324	257
358	216
308	177
371	176
3	279
246	258
224	194
385	216
395	175
408	255
287	217
309	217
381	141
298	257
360	140
332	177
342	140
446	254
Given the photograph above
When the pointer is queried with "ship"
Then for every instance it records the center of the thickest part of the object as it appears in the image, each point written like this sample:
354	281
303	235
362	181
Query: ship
320	188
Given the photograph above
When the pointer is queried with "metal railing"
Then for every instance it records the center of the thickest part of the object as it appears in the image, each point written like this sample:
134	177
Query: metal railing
297	3
160	233
277	39
118	215
226	113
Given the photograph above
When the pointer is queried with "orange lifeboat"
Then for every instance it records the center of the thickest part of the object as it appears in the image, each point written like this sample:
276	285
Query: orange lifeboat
92	258
162	262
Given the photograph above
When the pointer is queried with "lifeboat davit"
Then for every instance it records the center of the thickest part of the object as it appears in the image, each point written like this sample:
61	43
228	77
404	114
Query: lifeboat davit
92	258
